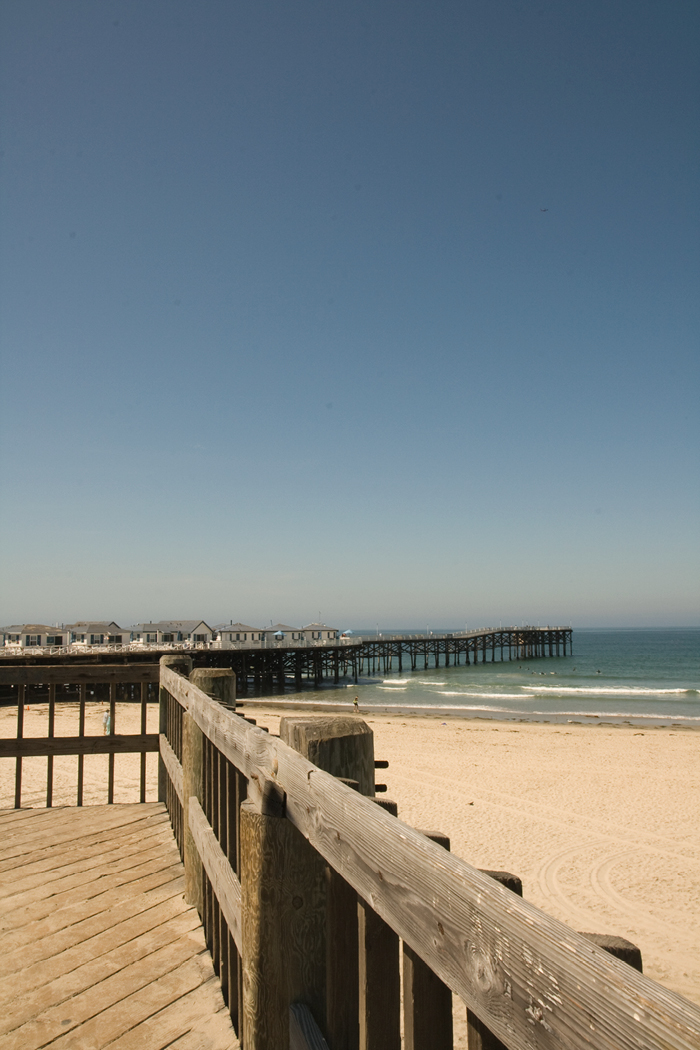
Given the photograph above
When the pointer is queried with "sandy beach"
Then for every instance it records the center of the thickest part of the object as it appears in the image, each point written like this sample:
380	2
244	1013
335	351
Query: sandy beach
600	822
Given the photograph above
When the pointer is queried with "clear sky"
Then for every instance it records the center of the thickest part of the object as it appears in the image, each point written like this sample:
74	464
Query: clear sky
385	310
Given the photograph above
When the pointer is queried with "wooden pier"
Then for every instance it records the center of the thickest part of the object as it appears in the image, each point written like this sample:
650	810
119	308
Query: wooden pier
264	672
287	668
310	892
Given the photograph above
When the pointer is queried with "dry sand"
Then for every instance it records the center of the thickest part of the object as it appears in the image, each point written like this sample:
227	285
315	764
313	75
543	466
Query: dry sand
602	823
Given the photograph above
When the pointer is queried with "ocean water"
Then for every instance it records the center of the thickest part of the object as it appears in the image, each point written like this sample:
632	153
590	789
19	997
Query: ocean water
637	676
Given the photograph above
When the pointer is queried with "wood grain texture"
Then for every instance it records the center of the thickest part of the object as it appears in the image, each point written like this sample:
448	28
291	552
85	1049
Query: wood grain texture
379	981
283	911
224	882
304	1033
172	766
427	1001
75	674
86	745
124	967
533	981
192	787
342	746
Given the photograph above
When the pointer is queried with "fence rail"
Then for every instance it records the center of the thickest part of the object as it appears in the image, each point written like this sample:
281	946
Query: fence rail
135	679
287	863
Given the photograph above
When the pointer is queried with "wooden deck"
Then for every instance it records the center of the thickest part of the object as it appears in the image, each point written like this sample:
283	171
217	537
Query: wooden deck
97	946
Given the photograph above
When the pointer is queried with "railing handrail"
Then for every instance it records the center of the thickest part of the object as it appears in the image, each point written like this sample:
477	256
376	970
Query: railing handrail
524	973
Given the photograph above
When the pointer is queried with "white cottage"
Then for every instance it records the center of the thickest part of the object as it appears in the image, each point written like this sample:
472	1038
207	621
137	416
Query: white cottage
237	636
321	634
33	635
172	632
96	632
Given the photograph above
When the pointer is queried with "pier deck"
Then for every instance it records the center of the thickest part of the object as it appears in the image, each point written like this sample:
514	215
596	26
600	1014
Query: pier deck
97	945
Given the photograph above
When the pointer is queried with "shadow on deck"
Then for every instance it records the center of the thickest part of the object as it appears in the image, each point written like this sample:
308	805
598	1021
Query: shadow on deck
97	945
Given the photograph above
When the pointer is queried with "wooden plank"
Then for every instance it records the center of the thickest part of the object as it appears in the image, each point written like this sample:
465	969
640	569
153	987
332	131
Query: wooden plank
118	854
73	745
69	829
200	1014
28	907
114	1006
75	674
520	970
154	888
43	856
173	767
83	942
304	1033
79	935
223	879
83	978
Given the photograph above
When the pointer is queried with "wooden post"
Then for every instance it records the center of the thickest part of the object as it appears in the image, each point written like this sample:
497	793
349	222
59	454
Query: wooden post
479	1037
217	682
21	691
182	665
192	787
343	747
283	928
619	947
49	761
380	989
427	1002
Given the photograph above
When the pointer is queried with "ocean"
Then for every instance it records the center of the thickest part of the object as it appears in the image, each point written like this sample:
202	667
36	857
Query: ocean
637	676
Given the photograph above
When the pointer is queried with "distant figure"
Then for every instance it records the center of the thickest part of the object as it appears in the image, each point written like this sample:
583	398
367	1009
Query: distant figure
105	722
356	704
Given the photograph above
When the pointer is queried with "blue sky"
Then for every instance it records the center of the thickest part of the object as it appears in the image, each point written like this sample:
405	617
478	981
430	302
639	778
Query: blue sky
384	310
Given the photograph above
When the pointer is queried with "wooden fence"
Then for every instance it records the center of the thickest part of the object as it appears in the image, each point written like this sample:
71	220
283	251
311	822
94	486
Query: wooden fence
125	678
310	888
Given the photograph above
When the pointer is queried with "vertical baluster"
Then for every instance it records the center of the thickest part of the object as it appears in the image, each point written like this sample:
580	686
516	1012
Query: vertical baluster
21	692
81	733
49	760
144	726
112	716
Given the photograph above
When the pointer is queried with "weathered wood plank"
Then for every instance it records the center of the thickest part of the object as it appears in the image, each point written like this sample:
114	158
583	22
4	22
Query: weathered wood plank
73	745
526	975
173	767
226	886
304	1033
91	973
75	674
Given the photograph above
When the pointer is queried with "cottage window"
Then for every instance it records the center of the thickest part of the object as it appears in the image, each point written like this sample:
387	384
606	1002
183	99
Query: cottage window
200	638
33	639
54	639
114	639
167	638
151	637
13	637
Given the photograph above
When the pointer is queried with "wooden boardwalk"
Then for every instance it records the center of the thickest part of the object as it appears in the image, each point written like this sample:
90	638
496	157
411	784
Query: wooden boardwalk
97	946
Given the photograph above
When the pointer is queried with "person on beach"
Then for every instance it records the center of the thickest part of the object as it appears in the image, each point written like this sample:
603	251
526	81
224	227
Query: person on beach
356	704
105	722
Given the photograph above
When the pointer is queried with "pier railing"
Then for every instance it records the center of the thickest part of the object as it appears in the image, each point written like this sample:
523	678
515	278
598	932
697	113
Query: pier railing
308	889
72	682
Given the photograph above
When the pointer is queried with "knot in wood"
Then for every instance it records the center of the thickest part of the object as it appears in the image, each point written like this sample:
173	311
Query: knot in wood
481	969
441	928
297	902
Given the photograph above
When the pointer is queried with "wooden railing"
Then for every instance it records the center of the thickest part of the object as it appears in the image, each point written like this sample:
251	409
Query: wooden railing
124	678
306	887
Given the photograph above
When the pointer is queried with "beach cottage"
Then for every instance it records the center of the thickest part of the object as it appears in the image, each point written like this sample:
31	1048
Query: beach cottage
321	634
96	632
172	632
33	635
